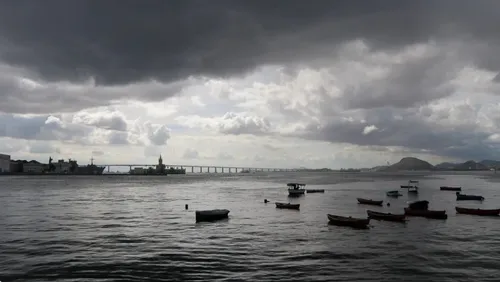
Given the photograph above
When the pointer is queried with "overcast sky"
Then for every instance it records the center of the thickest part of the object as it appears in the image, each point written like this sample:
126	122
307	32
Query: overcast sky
280	83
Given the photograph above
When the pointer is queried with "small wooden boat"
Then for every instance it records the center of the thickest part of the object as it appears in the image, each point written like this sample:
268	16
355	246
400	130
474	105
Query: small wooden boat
426	213
450	188
483	212
463	197
394	193
361	223
409	185
386	216
369	202
296	189
413	190
211	215
315	190
419	205
287	206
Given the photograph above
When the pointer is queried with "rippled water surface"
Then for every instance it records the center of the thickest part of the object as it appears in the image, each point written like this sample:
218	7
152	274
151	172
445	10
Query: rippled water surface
122	228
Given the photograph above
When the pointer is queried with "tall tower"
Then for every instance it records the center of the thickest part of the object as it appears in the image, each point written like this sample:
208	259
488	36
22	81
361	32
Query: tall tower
160	168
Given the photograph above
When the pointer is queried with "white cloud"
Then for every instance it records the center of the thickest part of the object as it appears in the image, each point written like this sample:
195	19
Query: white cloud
229	123
369	129
112	120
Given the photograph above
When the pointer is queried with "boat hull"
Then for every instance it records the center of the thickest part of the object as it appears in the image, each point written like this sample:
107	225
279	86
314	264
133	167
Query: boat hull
369	202
361	223
315	190
449	188
386	216
288	206
419	205
463	197
394	195
211	215
480	212
296	191
432	214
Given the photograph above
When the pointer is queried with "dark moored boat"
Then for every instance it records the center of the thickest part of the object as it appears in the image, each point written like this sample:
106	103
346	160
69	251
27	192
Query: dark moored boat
211	215
386	216
450	188
410	184
287	206
426	213
394	194
315	190
483	212
361	223
369	202
463	197
419	205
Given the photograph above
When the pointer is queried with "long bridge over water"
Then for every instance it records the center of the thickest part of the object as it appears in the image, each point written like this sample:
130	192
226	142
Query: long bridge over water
204	168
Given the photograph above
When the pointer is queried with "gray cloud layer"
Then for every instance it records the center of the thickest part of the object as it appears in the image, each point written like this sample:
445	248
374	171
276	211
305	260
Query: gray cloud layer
120	41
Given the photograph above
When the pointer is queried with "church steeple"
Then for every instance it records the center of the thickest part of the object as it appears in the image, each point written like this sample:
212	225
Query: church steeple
160	160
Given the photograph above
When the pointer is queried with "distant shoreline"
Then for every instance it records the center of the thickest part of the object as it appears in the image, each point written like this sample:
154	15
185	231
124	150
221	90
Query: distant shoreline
399	173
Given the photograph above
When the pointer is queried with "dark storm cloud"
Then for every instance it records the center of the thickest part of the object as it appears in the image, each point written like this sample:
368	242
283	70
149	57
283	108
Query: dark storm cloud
406	128
407	85
124	41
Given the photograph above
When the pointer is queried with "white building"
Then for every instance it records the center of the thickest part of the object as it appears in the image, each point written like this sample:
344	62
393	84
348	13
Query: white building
4	163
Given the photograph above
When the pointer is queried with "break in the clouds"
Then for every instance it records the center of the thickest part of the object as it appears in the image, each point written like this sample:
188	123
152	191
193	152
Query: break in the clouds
326	83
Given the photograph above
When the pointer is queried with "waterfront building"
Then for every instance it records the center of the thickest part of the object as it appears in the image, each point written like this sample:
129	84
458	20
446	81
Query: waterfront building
63	167
160	168
33	167
4	163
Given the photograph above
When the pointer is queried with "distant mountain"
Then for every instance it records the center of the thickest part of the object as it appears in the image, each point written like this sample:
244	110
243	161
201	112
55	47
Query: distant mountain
468	165
446	165
490	163
410	163
379	168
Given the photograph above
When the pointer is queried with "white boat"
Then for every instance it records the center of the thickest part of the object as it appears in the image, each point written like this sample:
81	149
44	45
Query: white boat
295	189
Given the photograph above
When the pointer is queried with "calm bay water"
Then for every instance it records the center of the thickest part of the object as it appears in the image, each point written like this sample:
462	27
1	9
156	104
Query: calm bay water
121	228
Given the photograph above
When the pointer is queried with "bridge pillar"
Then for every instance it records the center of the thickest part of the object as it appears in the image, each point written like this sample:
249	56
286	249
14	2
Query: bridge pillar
108	168
192	169
215	169
222	169
208	169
